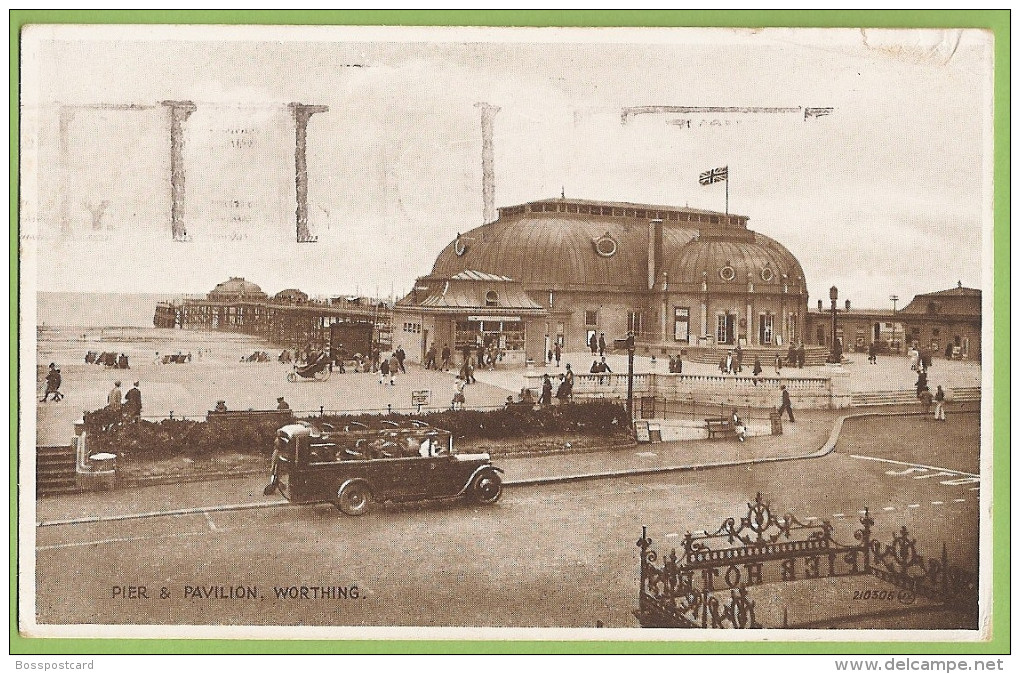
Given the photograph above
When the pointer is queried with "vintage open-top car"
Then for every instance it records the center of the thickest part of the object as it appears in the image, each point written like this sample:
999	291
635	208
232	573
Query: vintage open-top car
353	466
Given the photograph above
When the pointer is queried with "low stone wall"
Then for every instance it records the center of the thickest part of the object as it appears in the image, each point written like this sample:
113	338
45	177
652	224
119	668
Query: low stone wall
829	392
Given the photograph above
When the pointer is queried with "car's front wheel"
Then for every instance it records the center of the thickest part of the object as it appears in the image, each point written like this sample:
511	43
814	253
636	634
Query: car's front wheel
487	487
354	498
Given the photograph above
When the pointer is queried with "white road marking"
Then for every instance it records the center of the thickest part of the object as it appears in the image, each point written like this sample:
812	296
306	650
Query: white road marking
672	535
647	455
975	488
914	505
938	502
129	539
862	512
212	525
839	515
888	508
914	465
959	500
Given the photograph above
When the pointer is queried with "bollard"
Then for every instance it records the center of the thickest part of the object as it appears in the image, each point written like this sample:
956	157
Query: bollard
103	474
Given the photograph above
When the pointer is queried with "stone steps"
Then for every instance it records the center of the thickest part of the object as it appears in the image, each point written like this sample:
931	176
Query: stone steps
56	470
909	397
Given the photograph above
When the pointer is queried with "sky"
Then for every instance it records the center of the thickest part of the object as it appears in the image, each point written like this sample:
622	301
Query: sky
888	194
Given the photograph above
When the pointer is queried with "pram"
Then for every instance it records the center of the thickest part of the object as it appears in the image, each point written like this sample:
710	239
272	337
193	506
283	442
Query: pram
319	368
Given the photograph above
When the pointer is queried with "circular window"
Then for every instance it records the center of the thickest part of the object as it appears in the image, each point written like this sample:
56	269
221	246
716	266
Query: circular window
767	274
491	299
605	246
727	273
459	247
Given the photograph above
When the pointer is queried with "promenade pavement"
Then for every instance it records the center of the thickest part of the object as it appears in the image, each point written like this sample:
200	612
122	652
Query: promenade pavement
802	439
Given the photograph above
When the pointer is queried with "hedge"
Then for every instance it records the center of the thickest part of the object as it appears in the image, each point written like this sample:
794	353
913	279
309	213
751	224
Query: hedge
173	437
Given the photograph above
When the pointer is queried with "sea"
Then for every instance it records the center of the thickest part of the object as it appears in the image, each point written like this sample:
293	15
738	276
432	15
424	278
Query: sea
99	310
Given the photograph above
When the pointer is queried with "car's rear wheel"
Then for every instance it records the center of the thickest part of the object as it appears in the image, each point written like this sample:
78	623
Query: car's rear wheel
354	498
487	487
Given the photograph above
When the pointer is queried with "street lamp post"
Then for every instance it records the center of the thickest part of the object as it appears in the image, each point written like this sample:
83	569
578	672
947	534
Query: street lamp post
628	343
834	352
630	376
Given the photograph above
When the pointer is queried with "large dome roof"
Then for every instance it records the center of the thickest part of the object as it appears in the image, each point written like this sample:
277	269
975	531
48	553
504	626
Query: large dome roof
546	246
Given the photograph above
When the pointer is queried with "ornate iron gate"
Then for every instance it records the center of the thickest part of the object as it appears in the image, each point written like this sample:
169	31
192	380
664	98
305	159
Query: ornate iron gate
707	584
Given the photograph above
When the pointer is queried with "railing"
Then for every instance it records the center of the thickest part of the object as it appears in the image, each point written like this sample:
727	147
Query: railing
762	547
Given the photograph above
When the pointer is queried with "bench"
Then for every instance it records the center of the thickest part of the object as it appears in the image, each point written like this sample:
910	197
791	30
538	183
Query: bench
716	425
281	417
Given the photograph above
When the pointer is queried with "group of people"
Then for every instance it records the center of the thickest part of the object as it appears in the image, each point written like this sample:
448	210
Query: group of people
564	389
117	361
676	364
599	367
596	344
126	406
926	397
389	367
438	360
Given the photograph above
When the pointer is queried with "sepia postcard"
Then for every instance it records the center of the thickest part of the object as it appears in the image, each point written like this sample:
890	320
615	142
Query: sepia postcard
481	333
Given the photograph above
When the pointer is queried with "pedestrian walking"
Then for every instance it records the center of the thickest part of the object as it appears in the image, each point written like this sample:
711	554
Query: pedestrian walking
926	398
800	355
114	398
53	384
458	394
922	382
602	344
940	404
384	370
563	390
557	353
738	360
546	397
593	344
756	371
446	357
394	366
430	357
400	356
133	403
738	426
730	367
786	403
779	364
791	355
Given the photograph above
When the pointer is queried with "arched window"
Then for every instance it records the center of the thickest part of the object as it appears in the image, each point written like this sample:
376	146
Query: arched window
491	299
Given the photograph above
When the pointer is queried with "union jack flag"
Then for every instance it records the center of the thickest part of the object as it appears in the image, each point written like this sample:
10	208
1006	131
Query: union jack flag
714	176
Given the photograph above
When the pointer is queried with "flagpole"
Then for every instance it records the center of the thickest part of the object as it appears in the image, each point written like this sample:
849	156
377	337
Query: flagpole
727	190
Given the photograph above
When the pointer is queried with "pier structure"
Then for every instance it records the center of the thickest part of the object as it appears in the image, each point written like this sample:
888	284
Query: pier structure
290	318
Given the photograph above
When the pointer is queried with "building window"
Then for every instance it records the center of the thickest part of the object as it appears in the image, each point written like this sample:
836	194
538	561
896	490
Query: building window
491	299
681	324
634	323
591	317
765	328
727	273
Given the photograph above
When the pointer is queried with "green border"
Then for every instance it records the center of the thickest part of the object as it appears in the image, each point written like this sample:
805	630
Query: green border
996	21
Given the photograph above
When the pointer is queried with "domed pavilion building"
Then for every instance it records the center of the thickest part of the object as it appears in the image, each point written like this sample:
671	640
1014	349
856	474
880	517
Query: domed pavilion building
562	270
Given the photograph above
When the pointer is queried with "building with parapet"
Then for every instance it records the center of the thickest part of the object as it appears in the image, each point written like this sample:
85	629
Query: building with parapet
559	271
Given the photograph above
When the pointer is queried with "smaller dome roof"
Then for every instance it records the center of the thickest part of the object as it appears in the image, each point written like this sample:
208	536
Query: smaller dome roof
291	295
236	287
759	259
